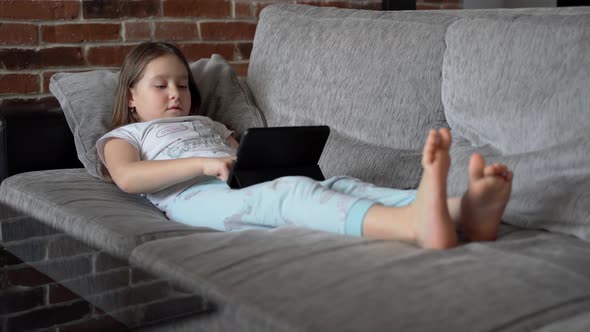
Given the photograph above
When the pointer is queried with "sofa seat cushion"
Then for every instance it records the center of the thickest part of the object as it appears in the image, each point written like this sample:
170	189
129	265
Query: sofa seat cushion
517	90
88	209
302	280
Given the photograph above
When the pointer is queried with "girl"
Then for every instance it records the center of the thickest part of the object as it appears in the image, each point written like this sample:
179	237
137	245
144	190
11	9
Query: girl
159	146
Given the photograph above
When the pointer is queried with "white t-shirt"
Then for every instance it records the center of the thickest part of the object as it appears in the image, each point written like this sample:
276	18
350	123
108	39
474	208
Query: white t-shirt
173	138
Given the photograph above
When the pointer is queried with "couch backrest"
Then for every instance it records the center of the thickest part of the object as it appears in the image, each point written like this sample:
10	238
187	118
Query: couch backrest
373	77
513	84
517	89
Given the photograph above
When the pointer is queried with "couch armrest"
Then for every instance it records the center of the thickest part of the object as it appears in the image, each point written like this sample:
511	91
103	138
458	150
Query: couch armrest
33	140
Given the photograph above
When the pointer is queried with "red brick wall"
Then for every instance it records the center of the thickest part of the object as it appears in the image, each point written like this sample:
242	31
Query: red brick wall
52	282
40	37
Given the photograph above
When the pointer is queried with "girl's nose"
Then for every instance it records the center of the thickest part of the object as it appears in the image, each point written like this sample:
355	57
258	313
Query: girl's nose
174	93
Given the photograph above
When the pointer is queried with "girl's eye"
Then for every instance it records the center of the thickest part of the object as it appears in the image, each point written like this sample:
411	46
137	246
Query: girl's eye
160	86
183	86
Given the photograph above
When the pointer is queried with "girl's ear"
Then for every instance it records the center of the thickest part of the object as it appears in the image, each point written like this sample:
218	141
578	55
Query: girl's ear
130	100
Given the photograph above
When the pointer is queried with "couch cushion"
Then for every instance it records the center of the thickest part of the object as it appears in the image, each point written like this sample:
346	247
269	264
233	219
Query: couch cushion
378	87
293	279
518	90
89	209
88	99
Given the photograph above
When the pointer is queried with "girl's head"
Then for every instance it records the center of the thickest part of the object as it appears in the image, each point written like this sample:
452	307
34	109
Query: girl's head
155	82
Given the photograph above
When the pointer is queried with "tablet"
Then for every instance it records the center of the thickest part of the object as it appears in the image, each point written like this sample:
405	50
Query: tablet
265	154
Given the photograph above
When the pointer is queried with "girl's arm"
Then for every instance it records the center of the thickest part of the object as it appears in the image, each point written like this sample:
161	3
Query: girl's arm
233	142
136	176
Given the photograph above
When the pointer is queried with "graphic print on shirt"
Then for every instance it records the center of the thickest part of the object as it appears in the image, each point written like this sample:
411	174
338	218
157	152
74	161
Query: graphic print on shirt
171	130
199	138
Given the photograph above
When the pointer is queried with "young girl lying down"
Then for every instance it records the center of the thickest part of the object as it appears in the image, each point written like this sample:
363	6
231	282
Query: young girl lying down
161	147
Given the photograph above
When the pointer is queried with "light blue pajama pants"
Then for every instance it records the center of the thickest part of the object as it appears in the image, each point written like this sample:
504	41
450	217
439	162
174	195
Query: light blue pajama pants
336	205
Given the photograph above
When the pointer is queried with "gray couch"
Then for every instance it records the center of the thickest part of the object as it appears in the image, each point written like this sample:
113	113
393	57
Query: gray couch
513	85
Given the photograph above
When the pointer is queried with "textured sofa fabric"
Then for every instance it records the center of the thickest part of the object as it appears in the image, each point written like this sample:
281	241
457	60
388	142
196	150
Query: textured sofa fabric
528	107
378	122
330	283
513	85
89	209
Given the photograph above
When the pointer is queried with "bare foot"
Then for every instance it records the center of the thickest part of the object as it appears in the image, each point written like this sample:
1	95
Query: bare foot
482	206
433	226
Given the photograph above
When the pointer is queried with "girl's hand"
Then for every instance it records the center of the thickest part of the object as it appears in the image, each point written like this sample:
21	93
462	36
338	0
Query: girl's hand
218	167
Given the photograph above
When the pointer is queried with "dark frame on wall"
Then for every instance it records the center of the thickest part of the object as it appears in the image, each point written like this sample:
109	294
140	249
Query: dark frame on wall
399	4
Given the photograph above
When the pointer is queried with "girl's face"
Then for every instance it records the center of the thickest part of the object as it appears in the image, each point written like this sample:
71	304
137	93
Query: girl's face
162	91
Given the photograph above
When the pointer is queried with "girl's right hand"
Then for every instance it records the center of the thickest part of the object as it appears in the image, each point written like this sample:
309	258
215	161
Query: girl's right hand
218	167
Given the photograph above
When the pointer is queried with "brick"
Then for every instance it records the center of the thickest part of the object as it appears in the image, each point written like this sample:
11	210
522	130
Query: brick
120	8
39	10
338	4
24	228
241	68
104	262
176	31
101	323
227	30
4	282
7	258
14	59
258	7
18	34
48	316
426	7
132	296
174	307
243	51
197	8
41	103
452	6
65	268
31	250
63	246
244	9
58	293
17	299
27	276
197	51
19	83
112	56
96	283
139	276
368	6
78	33
8	212
137	31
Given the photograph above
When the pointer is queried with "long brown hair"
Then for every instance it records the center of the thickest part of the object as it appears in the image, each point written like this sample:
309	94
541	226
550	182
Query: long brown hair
132	72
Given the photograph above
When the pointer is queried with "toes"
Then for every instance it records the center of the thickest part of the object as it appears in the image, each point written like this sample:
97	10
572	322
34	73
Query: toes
445	138
430	147
496	169
509	176
476	166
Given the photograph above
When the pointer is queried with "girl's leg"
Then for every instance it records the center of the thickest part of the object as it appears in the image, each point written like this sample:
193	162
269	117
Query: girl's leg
426	220
304	202
286	201
382	195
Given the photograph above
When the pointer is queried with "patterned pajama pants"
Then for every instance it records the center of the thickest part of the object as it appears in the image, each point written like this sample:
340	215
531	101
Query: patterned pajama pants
337	205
